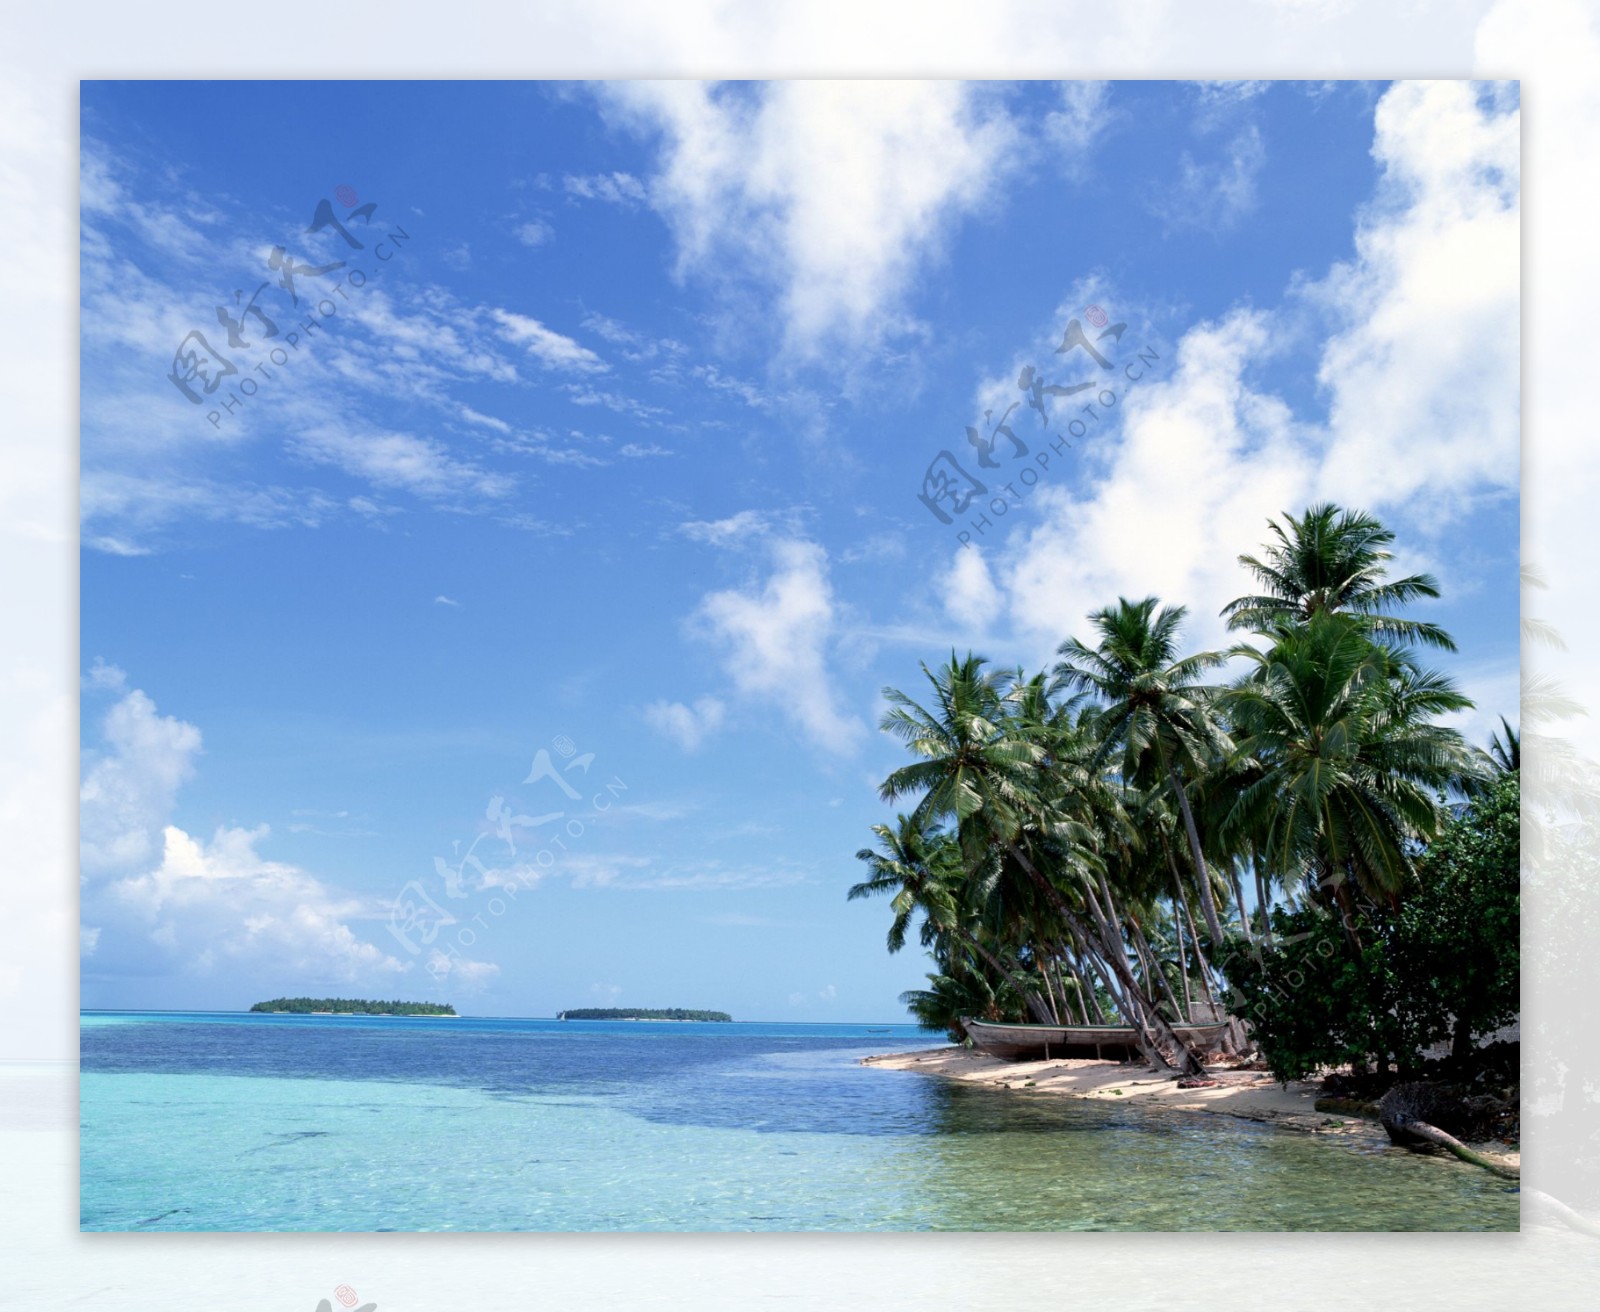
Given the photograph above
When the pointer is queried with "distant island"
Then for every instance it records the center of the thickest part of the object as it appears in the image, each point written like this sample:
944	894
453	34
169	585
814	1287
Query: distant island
354	1007
640	1013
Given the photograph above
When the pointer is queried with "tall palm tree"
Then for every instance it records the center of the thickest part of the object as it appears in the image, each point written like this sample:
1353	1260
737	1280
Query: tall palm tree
1353	767
986	767
1337	560
1154	710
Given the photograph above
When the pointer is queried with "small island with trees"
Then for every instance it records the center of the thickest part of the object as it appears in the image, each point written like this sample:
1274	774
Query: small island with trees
641	1013
353	1007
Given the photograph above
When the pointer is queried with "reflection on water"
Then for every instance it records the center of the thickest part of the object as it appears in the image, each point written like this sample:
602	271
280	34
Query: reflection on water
217	1123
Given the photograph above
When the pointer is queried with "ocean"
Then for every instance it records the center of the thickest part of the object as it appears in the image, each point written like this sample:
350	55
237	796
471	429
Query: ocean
248	1122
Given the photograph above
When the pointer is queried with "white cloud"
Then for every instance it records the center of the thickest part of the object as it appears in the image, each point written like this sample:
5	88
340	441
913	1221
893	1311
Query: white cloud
688	726
200	903
536	232
131	782
442	600
1425	369
461	970
1200	464
419	465
727	532
106	678
1075	126
836	192
210	903
549	347
773	642
968	591
1214	193
614	188
1421	372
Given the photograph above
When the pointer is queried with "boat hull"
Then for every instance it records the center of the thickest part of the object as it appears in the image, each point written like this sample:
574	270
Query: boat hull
1041	1042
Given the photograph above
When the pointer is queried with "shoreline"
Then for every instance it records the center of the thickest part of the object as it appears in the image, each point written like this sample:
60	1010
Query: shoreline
1245	1095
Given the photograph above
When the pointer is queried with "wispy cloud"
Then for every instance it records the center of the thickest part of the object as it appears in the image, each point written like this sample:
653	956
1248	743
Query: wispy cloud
831	193
550	348
614	188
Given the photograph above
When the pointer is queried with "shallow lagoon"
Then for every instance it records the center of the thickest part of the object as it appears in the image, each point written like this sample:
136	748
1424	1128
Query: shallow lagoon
235	1122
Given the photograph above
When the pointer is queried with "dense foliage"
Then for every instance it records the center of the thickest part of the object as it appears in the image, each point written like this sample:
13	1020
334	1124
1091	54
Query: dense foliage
1442	967
359	1006
641	1013
1125	839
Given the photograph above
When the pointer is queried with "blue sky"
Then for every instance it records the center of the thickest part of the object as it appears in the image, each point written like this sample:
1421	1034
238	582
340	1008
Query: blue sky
611	445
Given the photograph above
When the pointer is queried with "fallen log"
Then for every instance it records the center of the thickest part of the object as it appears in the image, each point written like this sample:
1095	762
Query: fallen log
1432	1134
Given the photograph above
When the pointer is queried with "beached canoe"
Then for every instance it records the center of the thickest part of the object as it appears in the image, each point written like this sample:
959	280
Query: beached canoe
1031	1042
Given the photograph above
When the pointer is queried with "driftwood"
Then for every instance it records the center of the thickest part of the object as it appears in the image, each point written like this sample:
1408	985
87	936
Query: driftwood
1432	1134
1408	1113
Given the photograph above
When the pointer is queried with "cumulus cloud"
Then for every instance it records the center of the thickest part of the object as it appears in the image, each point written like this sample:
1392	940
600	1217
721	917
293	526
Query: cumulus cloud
222	901
832	193
1424	370
1420	371
200	905
968	591
773	640
131	781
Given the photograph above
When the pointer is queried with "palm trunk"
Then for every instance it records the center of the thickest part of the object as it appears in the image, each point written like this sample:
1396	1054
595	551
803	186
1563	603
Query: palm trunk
1036	1006
1152	966
1049	993
1183	966
1117	962
1261	896
1141	1012
1238	897
1086	994
1201	964
1208	904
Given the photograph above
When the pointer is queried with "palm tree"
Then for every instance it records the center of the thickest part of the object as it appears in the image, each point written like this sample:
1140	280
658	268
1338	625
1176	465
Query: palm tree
1154	708
922	871
1336	560
991	763
1352	767
975	768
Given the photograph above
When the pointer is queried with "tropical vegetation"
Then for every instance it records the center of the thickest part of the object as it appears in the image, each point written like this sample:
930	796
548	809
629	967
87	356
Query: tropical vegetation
357	1006
1287	831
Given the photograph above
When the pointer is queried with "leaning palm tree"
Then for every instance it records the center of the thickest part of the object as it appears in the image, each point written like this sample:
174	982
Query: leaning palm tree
1154	710
921	871
1353	766
988	772
1336	560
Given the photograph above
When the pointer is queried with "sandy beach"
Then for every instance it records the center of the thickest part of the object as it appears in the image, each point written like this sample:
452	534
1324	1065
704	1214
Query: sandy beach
1249	1095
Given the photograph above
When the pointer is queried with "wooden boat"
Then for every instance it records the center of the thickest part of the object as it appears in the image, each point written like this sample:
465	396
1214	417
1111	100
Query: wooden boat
1032	1042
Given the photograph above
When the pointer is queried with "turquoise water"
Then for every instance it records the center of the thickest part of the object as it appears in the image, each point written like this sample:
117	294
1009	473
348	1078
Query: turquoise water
200	1121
